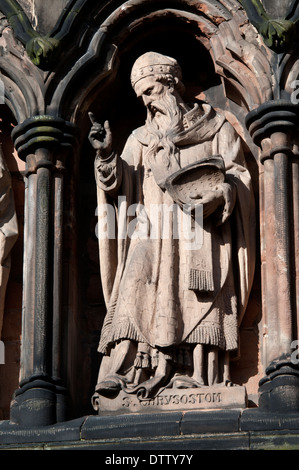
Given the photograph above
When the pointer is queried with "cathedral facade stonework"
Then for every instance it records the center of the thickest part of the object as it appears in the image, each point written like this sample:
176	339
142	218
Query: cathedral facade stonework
149	221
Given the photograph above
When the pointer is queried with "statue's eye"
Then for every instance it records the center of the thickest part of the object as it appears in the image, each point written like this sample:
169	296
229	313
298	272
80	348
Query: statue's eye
148	91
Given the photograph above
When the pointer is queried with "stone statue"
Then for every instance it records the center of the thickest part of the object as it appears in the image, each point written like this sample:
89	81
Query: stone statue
8	230
173	312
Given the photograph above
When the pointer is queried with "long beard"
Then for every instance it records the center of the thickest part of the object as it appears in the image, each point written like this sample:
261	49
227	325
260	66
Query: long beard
164	122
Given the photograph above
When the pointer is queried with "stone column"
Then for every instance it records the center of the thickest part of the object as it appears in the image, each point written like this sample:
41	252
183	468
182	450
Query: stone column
44	143
273	127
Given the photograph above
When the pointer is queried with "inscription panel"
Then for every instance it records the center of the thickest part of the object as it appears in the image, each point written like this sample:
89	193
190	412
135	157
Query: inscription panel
173	399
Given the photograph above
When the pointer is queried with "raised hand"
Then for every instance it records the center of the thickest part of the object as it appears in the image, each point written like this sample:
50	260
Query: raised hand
100	137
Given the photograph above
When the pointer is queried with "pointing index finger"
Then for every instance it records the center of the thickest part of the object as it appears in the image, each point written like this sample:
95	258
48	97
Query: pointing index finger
91	117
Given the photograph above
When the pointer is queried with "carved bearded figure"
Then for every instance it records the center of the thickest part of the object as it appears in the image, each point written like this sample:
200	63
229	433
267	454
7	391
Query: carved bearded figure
173	312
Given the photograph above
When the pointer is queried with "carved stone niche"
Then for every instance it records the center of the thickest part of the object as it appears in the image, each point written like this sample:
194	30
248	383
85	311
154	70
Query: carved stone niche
172	320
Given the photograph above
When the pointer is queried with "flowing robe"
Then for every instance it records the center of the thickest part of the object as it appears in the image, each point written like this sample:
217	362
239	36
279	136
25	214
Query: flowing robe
146	281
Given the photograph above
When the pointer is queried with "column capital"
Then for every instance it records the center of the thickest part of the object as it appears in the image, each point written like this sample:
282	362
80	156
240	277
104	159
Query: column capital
276	120
53	134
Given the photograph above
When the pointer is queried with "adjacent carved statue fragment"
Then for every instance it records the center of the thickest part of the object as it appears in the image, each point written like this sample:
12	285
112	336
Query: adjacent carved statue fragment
8	231
174	300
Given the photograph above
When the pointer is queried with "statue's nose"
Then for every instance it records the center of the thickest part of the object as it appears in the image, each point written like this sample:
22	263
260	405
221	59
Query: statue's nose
146	99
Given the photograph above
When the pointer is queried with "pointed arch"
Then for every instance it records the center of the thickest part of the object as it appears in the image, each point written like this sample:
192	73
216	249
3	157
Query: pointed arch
220	26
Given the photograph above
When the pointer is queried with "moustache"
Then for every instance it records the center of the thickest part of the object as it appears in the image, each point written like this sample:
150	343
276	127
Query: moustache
157	106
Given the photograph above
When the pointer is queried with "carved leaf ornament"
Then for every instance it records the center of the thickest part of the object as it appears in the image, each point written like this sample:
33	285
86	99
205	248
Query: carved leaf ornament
278	33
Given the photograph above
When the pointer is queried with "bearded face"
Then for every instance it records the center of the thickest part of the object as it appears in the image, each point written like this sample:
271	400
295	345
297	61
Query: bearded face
163	111
164	116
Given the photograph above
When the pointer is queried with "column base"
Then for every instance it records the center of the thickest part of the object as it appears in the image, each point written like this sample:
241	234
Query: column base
279	389
39	403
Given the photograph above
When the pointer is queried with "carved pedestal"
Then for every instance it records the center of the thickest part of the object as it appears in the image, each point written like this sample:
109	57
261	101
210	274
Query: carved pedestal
273	127
175	399
44	143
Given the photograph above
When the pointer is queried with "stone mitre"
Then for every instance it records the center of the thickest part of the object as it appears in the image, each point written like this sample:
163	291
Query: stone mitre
153	63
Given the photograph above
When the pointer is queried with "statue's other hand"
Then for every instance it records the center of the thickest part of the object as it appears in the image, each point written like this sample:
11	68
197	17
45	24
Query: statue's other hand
100	137
229	195
212	200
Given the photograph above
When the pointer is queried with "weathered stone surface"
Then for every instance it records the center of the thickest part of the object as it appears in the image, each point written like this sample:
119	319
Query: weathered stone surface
172	308
259	420
209	421
277	8
171	399
249	77
42	16
8	233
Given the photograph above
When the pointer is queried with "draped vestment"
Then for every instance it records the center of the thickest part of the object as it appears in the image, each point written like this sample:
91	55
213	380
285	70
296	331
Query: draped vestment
156	291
